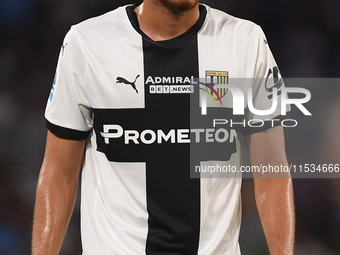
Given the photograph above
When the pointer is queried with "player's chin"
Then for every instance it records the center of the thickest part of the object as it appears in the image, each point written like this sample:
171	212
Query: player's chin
178	6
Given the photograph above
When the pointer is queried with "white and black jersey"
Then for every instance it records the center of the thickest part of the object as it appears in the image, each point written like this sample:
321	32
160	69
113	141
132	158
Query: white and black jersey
127	95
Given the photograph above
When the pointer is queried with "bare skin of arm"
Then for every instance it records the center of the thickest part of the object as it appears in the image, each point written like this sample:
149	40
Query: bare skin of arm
273	193
56	193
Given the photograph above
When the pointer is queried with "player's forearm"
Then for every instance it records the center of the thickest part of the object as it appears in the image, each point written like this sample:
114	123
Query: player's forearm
55	200
274	199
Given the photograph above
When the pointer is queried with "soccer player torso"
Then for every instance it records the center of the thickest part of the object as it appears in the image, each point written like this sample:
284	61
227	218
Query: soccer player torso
133	96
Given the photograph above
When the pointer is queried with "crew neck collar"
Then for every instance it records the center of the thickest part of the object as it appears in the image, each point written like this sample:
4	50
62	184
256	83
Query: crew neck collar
173	41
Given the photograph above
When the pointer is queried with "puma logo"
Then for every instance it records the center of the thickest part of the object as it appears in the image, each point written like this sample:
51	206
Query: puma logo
123	80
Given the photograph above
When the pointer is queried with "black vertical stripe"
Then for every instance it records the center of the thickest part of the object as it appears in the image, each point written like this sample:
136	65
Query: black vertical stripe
173	199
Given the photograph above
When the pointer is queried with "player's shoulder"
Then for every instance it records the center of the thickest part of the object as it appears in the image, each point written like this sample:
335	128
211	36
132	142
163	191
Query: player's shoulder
223	21
109	20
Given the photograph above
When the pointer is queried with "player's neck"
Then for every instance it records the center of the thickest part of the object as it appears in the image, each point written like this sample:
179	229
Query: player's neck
160	24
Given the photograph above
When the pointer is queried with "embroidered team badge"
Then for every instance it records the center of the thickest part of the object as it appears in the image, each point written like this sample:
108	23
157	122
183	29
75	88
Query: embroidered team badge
217	77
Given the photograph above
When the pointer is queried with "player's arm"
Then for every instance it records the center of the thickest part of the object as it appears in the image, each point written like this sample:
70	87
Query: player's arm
56	193
274	196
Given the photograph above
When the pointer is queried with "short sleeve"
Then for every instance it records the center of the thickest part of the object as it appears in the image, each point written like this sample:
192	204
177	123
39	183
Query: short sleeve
266	79
68	111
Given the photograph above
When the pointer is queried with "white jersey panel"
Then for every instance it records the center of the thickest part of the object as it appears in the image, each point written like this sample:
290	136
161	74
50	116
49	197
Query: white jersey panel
114	214
108	42
242	50
113	206
68	105
266	76
90	63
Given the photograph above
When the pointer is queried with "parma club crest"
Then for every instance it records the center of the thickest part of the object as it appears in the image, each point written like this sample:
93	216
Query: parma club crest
217	77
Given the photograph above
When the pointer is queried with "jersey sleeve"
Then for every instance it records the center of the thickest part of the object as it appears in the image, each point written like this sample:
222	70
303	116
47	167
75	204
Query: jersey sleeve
68	111
266	78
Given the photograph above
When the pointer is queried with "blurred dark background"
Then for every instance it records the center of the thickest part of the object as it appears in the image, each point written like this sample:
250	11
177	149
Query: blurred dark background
304	37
